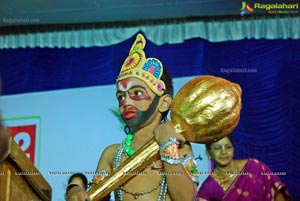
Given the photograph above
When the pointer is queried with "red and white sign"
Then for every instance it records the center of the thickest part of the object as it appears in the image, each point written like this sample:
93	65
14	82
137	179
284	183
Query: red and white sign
25	137
26	131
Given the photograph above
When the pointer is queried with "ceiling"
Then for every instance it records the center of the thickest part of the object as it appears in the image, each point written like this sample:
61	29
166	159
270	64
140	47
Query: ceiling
37	12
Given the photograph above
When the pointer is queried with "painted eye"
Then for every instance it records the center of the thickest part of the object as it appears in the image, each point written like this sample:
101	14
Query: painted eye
120	97
137	93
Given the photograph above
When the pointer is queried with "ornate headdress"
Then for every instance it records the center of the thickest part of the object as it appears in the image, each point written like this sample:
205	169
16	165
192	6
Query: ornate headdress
137	65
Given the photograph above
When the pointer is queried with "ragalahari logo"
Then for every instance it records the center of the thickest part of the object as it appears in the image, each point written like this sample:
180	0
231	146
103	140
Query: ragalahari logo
246	8
270	8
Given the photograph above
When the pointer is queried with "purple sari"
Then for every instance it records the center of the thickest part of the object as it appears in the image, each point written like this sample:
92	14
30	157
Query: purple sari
255	182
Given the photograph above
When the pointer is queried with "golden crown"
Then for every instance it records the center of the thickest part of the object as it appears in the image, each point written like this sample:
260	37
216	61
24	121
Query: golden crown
137	65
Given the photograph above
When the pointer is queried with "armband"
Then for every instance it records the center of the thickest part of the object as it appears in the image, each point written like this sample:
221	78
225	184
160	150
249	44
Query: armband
99	177
190	167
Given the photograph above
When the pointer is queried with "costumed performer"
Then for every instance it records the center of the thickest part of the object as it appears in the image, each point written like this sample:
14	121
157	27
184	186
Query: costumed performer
144	93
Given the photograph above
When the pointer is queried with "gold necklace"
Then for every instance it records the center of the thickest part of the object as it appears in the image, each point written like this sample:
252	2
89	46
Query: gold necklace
229	174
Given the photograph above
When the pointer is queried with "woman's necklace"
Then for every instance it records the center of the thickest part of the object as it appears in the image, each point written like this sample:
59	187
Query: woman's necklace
221	175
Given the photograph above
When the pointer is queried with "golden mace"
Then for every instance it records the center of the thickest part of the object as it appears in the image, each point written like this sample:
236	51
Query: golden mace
205	109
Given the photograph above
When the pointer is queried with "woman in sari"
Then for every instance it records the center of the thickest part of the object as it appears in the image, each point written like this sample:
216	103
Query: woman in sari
244	180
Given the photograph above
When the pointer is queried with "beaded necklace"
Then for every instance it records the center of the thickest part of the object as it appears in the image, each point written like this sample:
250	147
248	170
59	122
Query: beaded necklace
163	184
137	194
127	146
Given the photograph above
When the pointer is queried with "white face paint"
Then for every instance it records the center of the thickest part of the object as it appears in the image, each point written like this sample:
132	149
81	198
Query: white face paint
125	85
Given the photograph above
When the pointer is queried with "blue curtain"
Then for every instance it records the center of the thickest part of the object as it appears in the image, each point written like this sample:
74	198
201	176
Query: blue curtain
267	70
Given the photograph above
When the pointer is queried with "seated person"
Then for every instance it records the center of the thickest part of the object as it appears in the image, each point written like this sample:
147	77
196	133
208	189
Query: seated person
239	179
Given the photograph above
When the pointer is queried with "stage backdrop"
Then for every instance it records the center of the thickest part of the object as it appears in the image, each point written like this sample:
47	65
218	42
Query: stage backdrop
70	126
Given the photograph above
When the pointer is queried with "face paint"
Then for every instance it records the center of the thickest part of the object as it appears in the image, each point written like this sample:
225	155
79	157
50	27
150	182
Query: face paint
135	93
140	117
124	85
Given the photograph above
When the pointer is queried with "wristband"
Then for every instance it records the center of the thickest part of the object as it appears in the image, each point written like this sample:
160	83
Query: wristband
169	152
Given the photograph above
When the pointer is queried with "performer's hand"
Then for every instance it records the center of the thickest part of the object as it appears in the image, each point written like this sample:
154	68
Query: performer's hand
165	131
77	193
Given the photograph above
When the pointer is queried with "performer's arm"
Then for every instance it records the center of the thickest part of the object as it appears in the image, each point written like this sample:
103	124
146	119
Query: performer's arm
106	159
104	167
181	187
180	184
77	185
